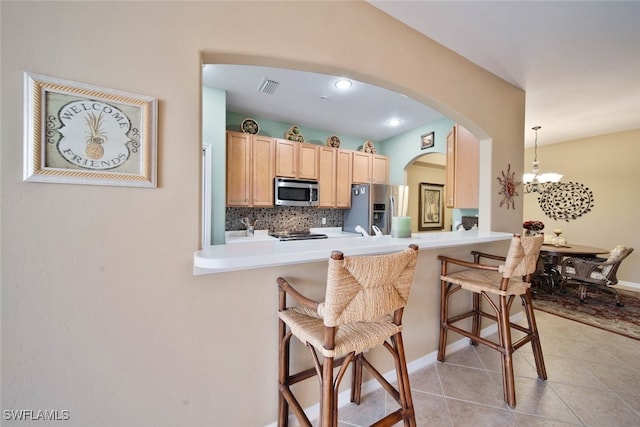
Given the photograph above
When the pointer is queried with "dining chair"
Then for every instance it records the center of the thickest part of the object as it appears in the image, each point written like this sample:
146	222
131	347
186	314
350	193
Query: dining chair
597	273
364	301
546	276
497	285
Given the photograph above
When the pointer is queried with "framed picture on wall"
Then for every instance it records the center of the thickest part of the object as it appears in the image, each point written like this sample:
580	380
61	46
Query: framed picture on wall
427	140
81	134
431	207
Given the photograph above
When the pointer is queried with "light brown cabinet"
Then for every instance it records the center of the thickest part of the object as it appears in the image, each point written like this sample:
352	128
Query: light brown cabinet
361	167
462	169
344	178
379	169
370	168
250	170
335	178
253	161
296	160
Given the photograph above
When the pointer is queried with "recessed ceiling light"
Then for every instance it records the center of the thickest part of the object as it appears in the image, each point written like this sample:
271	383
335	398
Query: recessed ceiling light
343	84
394	122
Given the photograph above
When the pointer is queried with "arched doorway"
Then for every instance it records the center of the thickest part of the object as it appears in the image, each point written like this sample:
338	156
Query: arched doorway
428	168
400	157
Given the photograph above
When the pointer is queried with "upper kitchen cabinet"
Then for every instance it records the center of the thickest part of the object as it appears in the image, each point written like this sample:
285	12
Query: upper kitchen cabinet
296	160
335	178
250	170
344	178
462	169
379	169
370	168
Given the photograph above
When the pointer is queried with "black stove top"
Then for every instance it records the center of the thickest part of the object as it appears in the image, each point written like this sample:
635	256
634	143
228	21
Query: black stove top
297	235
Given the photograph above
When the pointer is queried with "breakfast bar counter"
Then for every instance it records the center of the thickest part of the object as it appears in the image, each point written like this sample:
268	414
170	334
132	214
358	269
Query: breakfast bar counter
244	274
270	253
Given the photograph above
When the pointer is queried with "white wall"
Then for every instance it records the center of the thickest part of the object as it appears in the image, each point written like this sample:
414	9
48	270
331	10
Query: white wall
101	314
608	166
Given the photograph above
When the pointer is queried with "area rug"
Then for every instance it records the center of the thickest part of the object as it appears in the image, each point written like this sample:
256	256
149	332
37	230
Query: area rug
599	311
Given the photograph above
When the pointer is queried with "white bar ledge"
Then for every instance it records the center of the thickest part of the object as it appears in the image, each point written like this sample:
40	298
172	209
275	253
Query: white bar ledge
264	254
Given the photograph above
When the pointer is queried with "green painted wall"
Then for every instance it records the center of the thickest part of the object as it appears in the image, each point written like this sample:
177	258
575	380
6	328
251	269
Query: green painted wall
404	148
214	107
279	129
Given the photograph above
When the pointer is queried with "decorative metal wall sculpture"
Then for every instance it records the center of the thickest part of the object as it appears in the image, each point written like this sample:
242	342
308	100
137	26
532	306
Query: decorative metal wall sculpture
508	186
566	200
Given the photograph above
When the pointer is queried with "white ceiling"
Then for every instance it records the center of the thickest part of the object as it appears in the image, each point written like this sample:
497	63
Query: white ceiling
312	100
579	63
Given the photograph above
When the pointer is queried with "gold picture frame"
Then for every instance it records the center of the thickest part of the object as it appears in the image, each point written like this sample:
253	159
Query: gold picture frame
81	134
431	207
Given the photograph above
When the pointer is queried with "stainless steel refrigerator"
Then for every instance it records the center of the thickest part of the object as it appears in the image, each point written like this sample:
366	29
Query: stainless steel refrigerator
375	204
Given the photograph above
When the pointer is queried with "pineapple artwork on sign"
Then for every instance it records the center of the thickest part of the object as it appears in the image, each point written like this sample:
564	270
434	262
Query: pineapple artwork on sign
97	136
91	134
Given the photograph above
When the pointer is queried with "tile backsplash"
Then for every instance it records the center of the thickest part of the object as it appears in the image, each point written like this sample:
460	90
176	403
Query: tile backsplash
283	218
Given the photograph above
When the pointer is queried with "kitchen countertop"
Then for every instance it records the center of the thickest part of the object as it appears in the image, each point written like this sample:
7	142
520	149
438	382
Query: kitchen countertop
334	232
240	236
263	253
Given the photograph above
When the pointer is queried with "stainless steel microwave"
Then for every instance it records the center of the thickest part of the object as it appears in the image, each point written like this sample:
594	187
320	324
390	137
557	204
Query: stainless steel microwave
295	192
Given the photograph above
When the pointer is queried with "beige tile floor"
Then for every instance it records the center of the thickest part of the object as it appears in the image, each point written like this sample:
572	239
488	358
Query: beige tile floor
593	380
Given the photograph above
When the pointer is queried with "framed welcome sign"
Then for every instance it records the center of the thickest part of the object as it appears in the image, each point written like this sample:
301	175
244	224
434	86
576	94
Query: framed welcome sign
81	134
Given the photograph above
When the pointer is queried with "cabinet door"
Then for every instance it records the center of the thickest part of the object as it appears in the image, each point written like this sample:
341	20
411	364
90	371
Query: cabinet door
467	169
263	161
238	168
449	188
286	158
380	169
308	161
327	179
343	178
463	167
361	167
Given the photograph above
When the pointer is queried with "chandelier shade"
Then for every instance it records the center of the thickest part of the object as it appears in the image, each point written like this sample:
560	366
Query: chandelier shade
538	182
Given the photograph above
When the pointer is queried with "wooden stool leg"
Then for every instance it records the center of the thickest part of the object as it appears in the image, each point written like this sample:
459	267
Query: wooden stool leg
356	379
535	337
327	396
476	323
404	387
444	313
504	330
283	373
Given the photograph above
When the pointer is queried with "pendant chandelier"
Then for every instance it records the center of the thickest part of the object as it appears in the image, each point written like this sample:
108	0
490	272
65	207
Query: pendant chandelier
536	182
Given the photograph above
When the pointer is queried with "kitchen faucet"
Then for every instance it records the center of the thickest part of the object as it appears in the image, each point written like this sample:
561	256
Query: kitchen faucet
250	225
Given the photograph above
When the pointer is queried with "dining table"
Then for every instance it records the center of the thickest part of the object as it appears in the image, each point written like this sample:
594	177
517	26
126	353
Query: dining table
553	254
570	250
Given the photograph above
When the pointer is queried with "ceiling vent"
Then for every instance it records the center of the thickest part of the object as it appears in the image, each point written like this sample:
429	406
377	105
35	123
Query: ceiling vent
268	86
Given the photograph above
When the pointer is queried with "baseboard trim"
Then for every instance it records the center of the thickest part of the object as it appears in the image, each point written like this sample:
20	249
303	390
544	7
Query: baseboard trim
631	286
372	385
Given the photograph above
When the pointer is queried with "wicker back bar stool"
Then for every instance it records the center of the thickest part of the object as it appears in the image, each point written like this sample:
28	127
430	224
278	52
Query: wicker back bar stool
364	301
497	285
